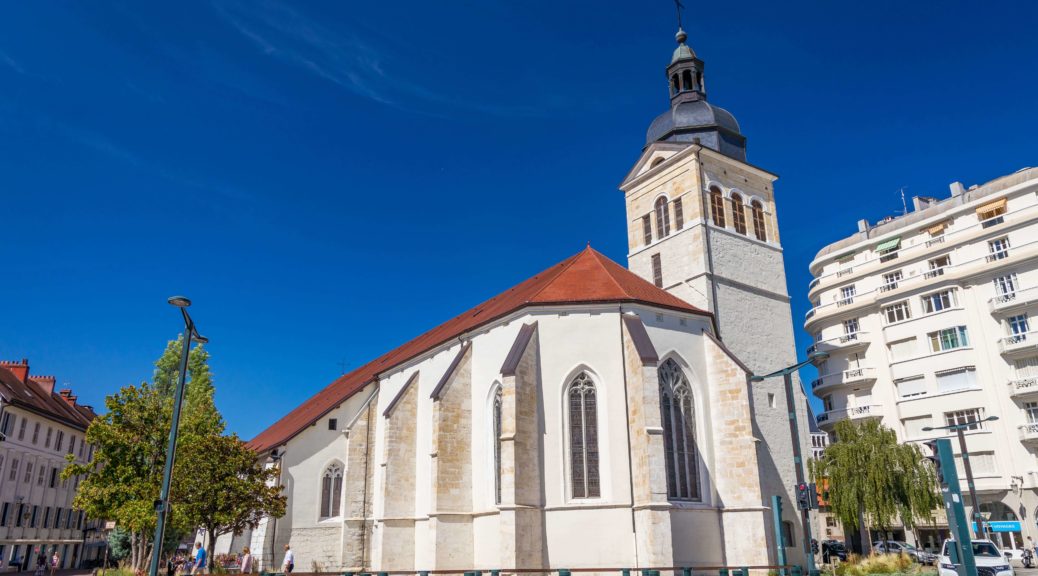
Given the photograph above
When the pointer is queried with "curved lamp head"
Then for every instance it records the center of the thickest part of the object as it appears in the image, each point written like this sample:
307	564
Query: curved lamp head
179	301
818	356
200	339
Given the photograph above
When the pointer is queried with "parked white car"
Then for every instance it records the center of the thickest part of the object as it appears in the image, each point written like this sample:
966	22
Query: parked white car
989	559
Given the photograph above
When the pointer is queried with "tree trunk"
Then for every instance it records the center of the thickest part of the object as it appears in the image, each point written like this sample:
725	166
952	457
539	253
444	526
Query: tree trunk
210	543
863	532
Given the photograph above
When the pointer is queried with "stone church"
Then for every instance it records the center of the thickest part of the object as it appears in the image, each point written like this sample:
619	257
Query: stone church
591	416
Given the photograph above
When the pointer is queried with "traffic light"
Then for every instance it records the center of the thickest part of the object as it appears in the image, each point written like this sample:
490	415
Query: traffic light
803	490
935	459
814	546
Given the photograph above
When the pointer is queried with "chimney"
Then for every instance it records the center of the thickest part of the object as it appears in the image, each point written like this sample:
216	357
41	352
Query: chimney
956	189
922	202
863	225
66	395
19	369
45	382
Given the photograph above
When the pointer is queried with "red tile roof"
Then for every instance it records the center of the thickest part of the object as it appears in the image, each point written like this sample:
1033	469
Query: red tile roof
36	397
585	278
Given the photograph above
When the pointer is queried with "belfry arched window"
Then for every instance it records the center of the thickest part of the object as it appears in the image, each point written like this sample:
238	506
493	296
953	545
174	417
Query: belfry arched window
758	221
686	80
679	433
662	217
496	441
331	491
738	215
717	207
583	437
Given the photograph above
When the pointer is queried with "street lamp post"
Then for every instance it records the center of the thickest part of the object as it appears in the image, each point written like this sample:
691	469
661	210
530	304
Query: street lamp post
162	504
794	432
959	429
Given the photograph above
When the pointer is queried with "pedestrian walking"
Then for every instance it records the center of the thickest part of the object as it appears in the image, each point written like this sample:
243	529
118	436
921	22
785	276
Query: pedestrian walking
41	562
289	562
200	559
55	562
246	561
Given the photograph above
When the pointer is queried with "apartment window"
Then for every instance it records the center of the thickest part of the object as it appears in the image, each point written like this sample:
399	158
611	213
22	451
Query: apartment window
41	475
333	424
992	214
850	328
1026	367
738	214
847	294
14	470
59	440
911	387
897	312
679	214
948	339
3	518
936	266
53	477
938	301
27	478
890	281
998	249
5	428
71	444
35	432
647	229
889	250
914	426
35	513
958	379
1005	287
21	429
717	207
971	419
757	210
1031	411
657	271
46	442
827	403
46	516
662	218
1017	325
902	349
18	518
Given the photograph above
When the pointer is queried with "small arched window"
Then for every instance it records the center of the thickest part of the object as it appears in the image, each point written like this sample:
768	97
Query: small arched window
686	80
662	217
657	162
758	221
679	433
738	215
583	438
674	87
496	440
717	207
331	491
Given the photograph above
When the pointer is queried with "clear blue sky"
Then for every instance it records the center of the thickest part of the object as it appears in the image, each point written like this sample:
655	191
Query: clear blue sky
327	180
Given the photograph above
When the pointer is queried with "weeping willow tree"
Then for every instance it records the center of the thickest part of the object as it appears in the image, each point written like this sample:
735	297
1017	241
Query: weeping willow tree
873	480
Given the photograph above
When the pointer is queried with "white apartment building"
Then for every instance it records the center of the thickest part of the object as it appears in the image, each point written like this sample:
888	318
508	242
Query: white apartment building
39	429
927	320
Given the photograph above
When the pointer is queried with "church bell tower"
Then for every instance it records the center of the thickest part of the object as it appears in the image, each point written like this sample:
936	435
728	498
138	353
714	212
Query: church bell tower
701	224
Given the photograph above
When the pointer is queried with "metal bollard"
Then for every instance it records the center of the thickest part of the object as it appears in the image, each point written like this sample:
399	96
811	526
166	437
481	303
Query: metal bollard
564	572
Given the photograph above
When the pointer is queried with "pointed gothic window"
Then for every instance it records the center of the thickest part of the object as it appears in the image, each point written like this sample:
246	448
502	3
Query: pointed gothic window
679	433
583	438
497	445
738	215
717	207
662	217
331	491
758	221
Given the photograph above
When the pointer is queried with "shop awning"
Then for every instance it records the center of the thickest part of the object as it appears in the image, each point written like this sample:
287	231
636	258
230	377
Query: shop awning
991	209
936	229
891	244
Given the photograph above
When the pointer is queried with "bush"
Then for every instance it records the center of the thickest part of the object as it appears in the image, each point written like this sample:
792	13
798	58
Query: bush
900	565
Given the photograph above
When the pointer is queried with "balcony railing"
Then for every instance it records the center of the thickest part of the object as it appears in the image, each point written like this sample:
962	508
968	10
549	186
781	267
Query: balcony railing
888	287
1023	386
935	241
834	416
1013	299
1029	432
1017	342
850	376
844	272
813	283
845	301
996	256
934	273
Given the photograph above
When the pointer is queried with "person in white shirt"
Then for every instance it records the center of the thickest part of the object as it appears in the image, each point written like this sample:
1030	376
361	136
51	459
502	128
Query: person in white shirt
290	560
246	561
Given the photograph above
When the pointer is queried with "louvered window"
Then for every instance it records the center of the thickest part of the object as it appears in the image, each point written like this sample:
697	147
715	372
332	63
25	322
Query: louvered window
583	438
662	218
647	229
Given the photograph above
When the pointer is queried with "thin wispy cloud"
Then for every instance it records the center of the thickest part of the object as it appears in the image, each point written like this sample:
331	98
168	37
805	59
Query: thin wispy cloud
7	61
344	58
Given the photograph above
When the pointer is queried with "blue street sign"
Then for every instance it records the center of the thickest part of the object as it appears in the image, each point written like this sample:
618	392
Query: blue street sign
1000	526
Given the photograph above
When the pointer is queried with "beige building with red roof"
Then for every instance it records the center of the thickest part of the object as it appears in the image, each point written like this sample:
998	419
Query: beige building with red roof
39	428
589	417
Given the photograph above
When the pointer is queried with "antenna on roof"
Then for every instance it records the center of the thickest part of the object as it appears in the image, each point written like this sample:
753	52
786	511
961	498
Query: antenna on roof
904	205
342	366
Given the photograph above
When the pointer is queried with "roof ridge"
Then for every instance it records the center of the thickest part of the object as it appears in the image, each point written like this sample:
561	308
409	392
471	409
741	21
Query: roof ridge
598	259
563	266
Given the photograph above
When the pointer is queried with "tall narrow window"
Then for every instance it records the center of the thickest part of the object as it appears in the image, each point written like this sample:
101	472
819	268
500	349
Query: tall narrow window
497	446
679	433
657	271
583	438
662	218
331	491
738	216
758	221
647	229
679	214
717	207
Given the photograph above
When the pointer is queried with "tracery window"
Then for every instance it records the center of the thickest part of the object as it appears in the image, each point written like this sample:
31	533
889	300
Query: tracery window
717	207
662	217
758	221
583	438
679	433
738	216
331	491
497	445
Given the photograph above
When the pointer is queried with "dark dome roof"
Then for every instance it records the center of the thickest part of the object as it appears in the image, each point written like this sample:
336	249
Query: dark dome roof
694	116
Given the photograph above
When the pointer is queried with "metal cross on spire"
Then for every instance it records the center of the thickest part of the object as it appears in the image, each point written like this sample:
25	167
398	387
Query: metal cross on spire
677	7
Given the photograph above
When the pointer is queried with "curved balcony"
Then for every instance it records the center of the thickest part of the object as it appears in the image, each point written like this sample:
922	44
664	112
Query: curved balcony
1029	433
1023	387
1019	344
830	418
845	343
1013	300
845	378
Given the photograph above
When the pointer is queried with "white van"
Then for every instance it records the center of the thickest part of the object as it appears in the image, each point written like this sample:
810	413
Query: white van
989	559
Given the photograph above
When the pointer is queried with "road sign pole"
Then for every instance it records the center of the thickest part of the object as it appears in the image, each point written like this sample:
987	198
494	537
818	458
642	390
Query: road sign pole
957	523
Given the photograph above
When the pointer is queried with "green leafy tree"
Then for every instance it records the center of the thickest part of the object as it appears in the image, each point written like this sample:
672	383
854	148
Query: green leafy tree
118	544
227	490
873	480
